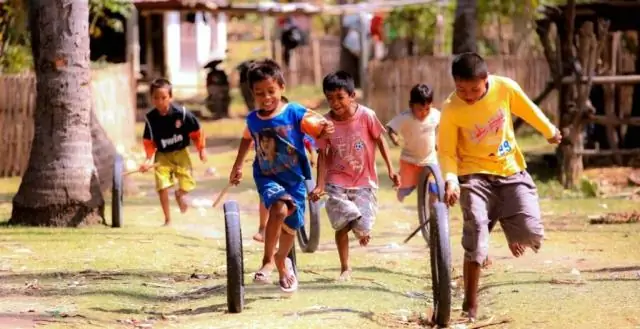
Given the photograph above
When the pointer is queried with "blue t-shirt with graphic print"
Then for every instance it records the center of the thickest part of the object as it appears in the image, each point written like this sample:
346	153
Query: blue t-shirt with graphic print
279	146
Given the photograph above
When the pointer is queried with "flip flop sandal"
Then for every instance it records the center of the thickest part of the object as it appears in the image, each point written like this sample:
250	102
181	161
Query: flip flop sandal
262	277
292	287
294	284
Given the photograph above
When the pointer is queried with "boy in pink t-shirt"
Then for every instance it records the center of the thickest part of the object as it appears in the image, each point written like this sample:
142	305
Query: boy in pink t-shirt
347	165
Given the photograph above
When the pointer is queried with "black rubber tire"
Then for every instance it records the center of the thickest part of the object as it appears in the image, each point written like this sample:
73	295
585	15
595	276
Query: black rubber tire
309	241
117	191
294	261
235	261
439	245
440	250
423	205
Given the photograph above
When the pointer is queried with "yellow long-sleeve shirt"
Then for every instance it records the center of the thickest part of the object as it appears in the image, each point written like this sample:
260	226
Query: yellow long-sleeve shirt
479	138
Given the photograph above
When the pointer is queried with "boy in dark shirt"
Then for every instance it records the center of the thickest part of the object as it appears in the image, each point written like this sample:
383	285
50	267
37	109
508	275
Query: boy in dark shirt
167	134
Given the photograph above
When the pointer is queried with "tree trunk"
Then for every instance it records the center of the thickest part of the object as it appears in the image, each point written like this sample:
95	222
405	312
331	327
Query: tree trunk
464	27
61	185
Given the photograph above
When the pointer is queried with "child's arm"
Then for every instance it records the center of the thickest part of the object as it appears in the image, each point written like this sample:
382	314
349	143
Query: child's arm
384	151
321	173
149	147
308	145
447	143
195	133
393	127
243	149
377	132
525	108
393	136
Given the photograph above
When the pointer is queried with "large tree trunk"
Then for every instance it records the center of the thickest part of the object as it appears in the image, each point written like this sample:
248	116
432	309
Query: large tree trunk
61	185
464	27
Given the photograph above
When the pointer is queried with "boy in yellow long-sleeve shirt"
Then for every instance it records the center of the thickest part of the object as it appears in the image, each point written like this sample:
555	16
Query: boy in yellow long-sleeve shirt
484	167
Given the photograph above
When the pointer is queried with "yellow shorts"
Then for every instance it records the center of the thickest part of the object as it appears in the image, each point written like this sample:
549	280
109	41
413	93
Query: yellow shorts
172	166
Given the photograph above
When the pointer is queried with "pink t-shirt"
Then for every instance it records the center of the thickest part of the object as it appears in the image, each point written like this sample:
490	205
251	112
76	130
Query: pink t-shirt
351	160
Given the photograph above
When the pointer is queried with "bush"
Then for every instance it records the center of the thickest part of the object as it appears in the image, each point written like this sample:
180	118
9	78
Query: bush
16	59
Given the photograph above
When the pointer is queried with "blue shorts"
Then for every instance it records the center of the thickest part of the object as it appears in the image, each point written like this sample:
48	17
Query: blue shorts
271	191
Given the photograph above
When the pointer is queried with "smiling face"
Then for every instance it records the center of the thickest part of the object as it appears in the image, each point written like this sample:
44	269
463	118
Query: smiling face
267	94
471	91
341	103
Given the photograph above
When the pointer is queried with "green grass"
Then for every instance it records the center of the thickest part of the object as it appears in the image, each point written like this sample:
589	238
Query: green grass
143	272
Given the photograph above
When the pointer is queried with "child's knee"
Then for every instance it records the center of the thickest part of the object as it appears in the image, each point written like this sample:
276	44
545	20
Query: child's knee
279	209
363	226
476	245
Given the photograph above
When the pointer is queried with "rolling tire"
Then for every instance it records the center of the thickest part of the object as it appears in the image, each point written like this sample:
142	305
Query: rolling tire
437	237
235	261
117	191
310	240
440	251
423	205
292	256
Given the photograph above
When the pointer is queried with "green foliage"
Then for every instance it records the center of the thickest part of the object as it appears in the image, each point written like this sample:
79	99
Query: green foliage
15	52
101	11
16	59
418	23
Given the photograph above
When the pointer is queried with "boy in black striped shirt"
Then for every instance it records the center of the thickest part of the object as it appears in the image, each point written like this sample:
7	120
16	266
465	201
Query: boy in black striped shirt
168	132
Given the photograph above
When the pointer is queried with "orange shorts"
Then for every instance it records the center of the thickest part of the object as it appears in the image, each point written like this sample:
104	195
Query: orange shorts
409	174
410	177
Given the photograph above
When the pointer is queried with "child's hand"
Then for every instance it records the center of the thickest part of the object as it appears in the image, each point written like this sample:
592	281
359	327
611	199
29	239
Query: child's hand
328	129
145	166
203	155
451	193
395	178
236	176
556	139
316	194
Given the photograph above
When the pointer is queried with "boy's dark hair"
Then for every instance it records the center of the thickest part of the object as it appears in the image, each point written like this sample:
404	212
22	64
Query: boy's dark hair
469	66
421	94
339	80
263	70
160	84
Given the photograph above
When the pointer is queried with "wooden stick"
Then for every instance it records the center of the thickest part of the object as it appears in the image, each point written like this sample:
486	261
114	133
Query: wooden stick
127	173
222	194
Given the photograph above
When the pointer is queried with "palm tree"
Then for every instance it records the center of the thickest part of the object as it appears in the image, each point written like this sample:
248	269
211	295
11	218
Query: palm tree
464	27
61	185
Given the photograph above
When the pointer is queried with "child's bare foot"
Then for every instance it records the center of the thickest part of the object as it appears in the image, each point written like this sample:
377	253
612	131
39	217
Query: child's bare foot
288	281
259	236
400	196
345	276
517	249
487	263
167	223
364	240
469	312
182	202
263	276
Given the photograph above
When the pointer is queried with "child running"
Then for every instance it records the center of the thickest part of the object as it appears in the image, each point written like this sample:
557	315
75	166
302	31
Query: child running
167	133
418	130
347	167
281	166
309	145
484	166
